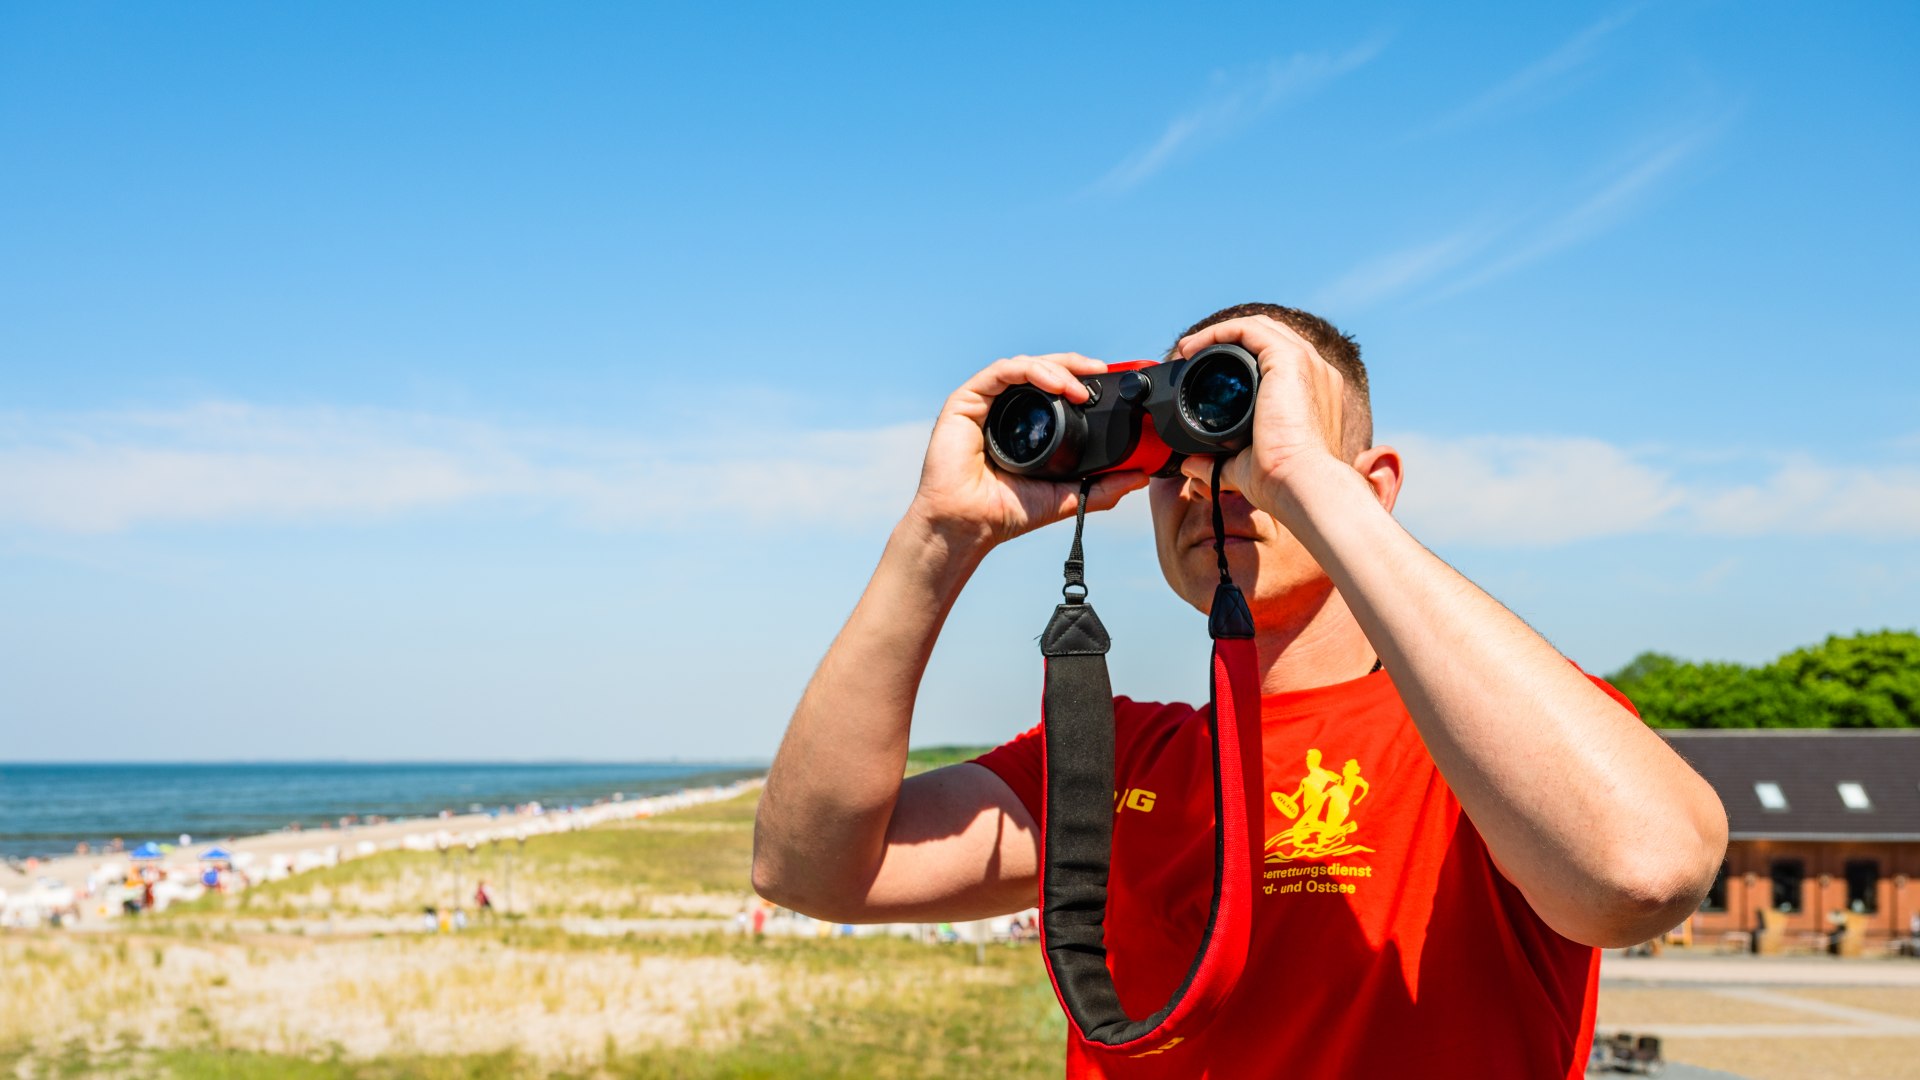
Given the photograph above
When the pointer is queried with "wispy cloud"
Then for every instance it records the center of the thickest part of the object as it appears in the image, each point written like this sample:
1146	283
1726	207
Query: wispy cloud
1529	492
224	463
1466	258
1534	80
1600	211
1399	271
1808	498
1246	97
1503	491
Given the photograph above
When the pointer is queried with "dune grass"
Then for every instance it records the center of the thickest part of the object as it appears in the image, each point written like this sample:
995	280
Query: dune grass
926	758
631	869
813	1007
203	992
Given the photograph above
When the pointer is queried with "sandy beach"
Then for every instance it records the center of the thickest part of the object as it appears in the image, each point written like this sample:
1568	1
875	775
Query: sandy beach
634	948
276	855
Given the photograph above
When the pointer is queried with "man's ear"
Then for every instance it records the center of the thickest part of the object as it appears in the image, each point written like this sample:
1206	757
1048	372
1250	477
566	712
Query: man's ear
1381	467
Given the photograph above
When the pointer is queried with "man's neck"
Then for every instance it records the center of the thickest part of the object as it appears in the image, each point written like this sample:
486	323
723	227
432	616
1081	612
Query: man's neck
1320	645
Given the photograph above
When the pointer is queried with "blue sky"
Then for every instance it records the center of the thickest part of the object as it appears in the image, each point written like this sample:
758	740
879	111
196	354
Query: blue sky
499	381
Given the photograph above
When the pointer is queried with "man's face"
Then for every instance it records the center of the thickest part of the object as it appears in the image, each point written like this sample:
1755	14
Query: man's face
1281	581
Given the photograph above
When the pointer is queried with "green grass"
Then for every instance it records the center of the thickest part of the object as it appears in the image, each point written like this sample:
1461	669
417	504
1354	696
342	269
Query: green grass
612	870
927	758
835	1007
931	1012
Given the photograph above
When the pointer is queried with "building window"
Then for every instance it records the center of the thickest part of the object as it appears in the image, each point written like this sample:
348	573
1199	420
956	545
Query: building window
1855	796
1863	886
1788	877
1717	892
1771	797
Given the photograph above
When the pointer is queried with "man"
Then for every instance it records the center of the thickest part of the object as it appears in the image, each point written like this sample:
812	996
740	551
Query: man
1500	815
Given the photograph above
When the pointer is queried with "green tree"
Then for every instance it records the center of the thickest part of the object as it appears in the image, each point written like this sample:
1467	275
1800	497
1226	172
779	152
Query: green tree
1641	668
1869	680
1866	680
1720	695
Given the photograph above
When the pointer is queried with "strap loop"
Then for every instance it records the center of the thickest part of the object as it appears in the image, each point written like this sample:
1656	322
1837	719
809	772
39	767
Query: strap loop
1076	569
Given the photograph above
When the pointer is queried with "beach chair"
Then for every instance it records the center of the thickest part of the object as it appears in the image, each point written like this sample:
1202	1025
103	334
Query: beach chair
1624	1053
1619	1051
1647	1059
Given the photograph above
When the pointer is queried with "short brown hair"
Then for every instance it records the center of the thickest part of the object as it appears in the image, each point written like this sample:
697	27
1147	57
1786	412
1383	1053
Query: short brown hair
1333	346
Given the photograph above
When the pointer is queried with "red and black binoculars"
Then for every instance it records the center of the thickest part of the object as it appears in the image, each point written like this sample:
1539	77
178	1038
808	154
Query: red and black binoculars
1140	415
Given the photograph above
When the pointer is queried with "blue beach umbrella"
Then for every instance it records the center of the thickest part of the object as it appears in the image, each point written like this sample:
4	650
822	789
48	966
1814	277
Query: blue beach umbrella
216	854
148	850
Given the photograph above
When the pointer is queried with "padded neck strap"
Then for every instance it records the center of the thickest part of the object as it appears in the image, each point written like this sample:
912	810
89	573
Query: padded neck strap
1077	824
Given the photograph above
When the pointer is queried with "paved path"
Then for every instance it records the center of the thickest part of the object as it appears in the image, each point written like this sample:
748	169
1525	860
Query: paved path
1757	971
1768	983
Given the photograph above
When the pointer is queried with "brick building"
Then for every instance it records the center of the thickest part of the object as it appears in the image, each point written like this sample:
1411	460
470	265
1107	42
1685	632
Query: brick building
1824	835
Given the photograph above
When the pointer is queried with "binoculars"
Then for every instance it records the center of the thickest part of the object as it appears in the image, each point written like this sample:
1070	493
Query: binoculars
1141	415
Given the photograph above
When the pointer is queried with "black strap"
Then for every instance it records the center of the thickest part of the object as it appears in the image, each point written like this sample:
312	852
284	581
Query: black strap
1078	812
1220	522
1229	617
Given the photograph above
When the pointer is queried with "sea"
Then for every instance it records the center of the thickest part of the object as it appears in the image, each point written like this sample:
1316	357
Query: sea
47	809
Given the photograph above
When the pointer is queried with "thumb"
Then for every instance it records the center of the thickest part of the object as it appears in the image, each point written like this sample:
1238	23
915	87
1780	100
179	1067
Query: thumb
1109	488
1201	469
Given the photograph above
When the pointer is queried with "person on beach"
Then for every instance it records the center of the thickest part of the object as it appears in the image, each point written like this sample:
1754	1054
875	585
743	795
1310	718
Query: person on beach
1516	815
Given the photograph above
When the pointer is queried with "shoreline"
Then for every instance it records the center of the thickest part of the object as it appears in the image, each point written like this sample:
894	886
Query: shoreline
178	792
77	880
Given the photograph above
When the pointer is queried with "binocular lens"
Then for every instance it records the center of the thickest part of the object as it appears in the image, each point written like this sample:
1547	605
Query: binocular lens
1025	427
1219	394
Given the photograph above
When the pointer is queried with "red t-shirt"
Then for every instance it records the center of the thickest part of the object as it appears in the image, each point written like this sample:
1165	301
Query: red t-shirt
1385	943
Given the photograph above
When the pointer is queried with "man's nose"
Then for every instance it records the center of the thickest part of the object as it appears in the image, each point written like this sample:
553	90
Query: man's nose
1202	491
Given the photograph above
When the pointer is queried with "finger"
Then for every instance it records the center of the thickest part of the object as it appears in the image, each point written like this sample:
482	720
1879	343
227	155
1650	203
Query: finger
1110	488
1076	363
1333	411
1073	363
1045	373
1106	492
1201	469
1257	333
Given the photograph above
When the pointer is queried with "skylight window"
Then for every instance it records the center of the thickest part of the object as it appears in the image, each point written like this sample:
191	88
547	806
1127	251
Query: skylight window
1771	796
1855	796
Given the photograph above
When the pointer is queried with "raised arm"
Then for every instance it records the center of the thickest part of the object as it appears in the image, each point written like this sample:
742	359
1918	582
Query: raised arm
839	835
1612	838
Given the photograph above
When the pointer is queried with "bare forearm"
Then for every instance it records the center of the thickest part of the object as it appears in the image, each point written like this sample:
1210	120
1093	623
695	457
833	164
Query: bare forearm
1605	829
823	816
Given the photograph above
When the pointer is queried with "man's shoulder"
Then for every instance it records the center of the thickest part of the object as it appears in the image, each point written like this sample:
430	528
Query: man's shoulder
1154	721
1127	710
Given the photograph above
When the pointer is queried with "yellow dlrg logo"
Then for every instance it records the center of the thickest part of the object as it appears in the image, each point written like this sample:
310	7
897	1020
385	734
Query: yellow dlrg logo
1133	799
1162	1048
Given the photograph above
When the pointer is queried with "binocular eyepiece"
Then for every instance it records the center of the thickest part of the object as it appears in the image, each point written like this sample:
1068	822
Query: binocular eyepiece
1140	415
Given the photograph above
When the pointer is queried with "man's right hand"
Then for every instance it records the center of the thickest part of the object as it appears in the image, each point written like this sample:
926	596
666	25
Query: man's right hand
838	835
964	497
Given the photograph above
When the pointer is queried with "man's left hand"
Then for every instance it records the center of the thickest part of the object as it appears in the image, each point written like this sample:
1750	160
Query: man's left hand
1298	419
